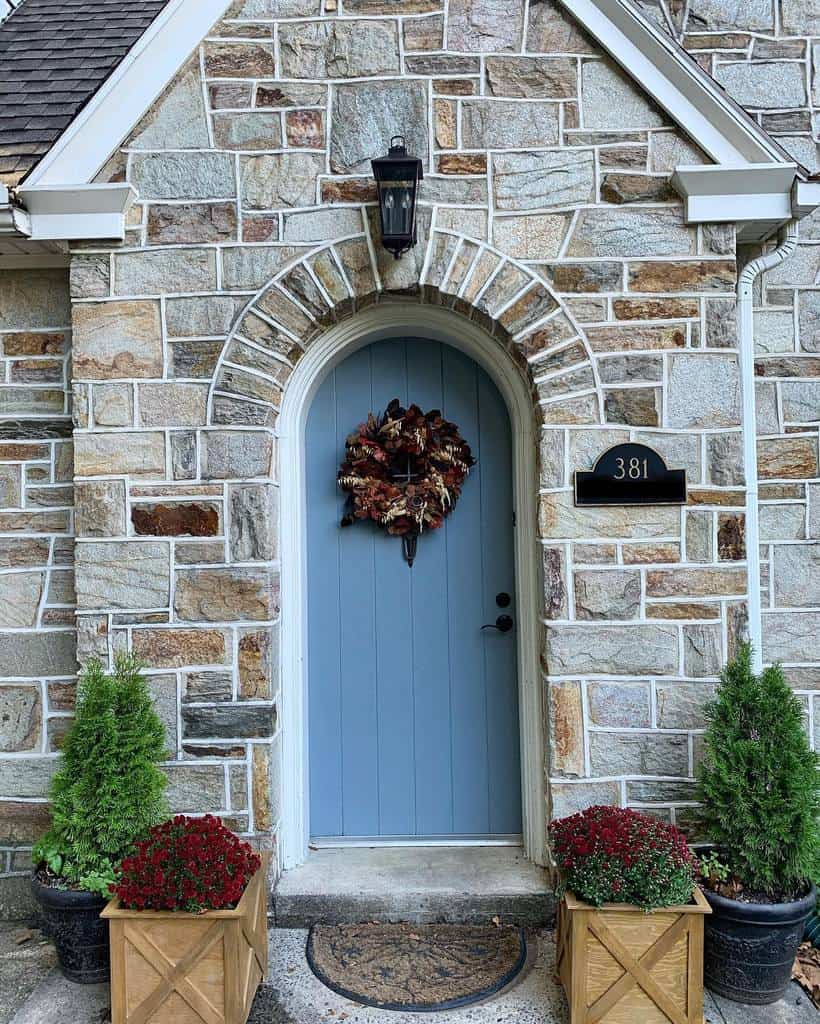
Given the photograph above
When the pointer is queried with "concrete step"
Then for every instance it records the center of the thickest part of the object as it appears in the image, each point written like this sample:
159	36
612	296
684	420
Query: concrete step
458	885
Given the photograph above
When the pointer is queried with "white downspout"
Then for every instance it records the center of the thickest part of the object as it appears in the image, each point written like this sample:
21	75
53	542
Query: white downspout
745	296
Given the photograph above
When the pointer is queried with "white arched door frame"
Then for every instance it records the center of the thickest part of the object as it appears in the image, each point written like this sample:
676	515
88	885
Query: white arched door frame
377	323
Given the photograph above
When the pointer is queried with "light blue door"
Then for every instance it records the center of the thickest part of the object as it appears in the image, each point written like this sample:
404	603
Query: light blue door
413	726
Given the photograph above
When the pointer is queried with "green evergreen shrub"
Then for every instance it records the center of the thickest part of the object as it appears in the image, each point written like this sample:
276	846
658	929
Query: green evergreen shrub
108	790
759	783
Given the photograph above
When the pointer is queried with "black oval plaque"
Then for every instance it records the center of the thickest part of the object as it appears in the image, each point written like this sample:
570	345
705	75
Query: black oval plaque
631	474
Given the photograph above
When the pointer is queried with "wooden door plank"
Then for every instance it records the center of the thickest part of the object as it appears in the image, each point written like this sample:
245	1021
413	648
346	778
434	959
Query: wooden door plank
394	634
323	511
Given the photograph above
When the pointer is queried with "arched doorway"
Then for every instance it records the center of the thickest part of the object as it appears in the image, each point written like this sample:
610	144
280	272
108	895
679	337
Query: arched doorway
413	720
433	323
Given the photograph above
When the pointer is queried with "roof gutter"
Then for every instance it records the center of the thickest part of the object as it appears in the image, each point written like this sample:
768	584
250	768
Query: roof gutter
61	213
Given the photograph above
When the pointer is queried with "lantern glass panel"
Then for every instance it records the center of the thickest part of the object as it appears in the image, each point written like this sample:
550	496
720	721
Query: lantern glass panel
397	205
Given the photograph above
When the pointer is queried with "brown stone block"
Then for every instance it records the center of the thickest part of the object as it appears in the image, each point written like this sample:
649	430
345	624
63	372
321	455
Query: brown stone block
788	366
695	582
34	522
22	552
687	610
175	648
577	278
23	822
191	520
238	60
192	222
683	276
30	343
636	188
455	86
638	407
262	228
787	458
305	129
462	163
254	656
62	696
630	339
445	123
731	537
655	309
348	190
708	496
137	454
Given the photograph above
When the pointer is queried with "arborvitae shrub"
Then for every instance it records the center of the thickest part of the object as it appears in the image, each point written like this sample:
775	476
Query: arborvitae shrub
108	790
759	782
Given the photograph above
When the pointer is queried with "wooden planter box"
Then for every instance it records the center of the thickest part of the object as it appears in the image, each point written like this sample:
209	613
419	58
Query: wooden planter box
169	967
621	965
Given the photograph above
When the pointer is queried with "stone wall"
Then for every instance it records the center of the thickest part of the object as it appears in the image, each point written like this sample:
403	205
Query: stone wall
547	217
37	638
767	55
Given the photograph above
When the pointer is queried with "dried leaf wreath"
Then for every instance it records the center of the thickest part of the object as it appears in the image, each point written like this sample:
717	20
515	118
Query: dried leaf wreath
404	470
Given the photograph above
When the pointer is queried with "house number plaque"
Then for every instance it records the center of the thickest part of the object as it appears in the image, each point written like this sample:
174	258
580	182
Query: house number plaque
631	474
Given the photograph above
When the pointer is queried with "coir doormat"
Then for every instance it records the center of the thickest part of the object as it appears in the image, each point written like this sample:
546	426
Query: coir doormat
416	968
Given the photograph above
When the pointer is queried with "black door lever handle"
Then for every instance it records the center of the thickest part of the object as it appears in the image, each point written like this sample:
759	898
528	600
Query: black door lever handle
503	624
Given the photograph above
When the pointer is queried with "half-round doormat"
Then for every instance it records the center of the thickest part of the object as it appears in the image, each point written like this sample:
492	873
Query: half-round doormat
416	968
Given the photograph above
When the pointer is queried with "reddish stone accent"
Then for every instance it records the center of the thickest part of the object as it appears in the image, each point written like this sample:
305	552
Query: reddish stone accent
175	520
305	128
731	537
349	190
22	822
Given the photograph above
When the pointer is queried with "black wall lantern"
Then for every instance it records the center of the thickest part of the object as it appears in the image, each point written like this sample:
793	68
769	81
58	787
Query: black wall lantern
397	179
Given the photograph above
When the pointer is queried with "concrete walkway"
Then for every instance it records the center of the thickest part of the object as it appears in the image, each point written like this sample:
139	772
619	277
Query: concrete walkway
32	991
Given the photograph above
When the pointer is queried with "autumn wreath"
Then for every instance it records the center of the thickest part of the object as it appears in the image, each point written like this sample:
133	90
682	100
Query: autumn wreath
404	469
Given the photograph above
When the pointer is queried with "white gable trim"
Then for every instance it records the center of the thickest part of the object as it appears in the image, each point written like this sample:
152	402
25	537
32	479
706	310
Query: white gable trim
117	106
656	63
678	84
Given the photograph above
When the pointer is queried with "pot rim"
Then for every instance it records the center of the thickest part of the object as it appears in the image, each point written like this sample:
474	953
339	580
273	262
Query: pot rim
65	899
767	913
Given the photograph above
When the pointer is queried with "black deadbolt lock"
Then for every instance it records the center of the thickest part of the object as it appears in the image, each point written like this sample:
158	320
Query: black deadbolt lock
503	600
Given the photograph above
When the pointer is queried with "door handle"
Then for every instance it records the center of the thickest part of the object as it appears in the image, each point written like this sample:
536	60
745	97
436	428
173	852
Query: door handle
503	624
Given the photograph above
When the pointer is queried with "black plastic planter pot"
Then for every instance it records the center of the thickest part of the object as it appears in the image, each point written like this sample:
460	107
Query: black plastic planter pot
73	921
750	947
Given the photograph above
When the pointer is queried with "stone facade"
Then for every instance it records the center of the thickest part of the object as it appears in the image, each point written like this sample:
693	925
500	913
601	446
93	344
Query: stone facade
547	218
37	636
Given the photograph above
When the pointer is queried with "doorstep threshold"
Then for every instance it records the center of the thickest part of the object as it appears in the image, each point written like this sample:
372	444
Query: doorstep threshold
421	884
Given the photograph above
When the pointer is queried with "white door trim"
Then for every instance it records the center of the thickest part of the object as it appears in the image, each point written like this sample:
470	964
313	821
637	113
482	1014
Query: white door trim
374	324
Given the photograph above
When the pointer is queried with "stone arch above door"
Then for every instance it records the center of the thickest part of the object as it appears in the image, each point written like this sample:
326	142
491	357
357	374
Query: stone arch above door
478	282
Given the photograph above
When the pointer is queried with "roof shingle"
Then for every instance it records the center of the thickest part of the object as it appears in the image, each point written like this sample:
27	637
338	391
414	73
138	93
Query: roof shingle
54	55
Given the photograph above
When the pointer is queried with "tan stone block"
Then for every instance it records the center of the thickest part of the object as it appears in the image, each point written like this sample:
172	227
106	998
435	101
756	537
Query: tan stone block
560	518
787	458
176	648
685	582
123	574
224	595
566	729
173	405
20	595
135	454
629	339
646	554
23	821
444	122
624	649
117	339
255	654
261	788
113	405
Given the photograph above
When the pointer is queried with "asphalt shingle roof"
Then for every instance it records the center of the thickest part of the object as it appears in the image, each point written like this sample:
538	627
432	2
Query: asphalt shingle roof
54	55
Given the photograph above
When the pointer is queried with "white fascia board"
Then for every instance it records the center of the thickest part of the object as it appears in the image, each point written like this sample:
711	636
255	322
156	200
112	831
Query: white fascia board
679	85
84	211
746	194
150	65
